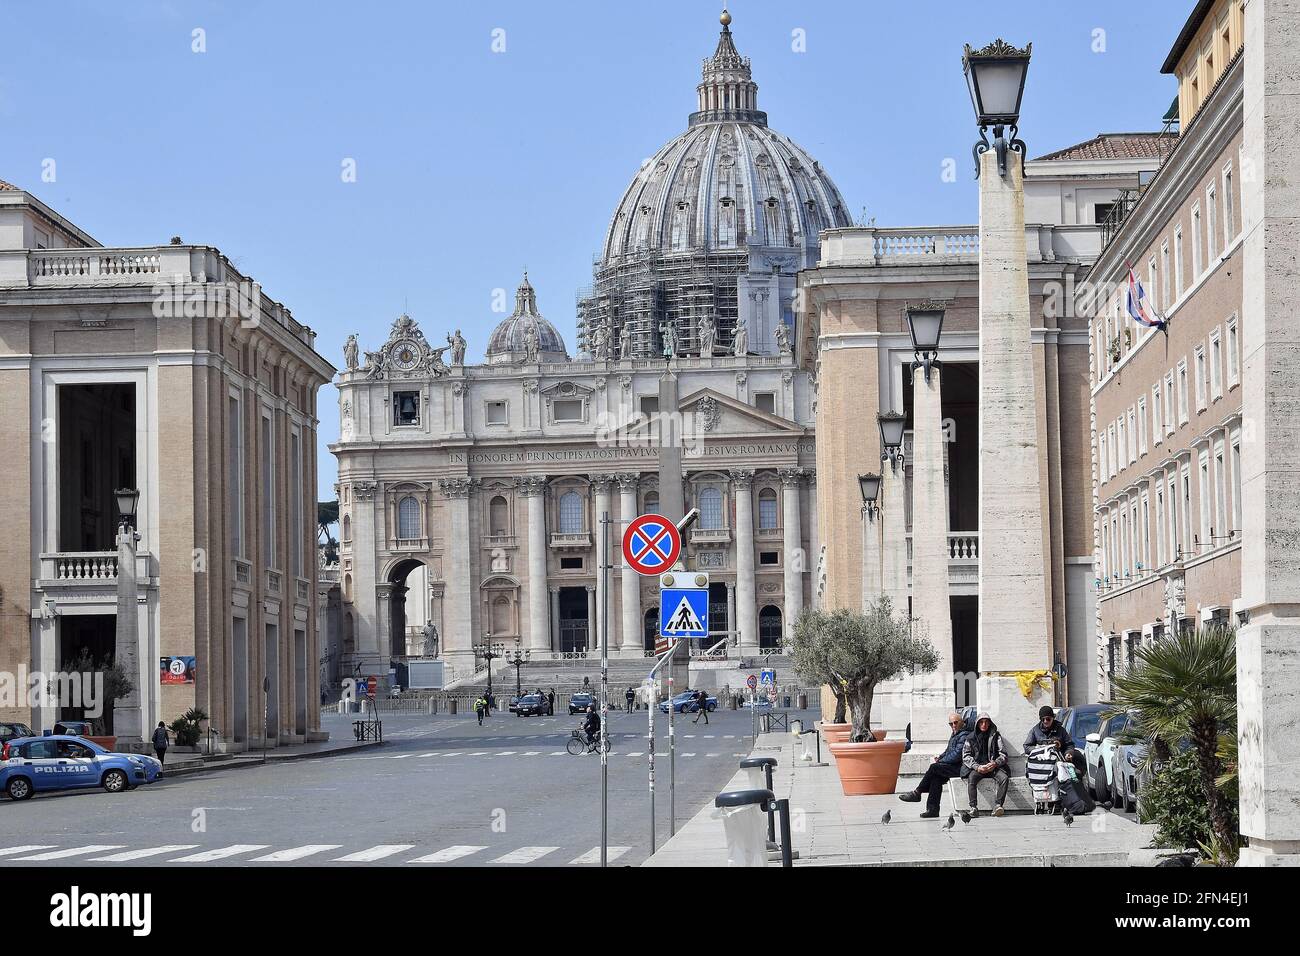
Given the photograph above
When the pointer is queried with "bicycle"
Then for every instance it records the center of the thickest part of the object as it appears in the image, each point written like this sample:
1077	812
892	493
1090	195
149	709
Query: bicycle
578	745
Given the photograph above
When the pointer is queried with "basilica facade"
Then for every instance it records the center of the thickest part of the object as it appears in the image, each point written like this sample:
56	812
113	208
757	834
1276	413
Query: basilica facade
471	497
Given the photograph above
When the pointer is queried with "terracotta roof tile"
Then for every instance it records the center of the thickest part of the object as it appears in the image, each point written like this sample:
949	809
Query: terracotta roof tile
5	185
1118	146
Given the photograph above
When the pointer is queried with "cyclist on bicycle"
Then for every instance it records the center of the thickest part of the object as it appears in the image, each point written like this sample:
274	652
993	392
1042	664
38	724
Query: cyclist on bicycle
591	726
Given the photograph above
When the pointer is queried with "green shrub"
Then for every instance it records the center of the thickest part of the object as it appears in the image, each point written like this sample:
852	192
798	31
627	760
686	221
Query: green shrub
1175	802
187	728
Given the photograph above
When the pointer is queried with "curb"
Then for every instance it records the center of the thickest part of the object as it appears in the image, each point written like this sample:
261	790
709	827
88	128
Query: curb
246	760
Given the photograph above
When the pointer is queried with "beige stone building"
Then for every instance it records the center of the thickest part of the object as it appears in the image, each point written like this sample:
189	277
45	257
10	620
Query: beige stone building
1167	406
854	323
164	369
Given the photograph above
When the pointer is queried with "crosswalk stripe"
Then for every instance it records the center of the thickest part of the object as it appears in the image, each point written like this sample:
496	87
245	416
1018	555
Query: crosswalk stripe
432	753
74	851
297	853
478	753
559	753
636	753
593	855
688	755
447	854
374	853
710	755
531	753
11	851
507	753
220	854
526	854
141	854
400	756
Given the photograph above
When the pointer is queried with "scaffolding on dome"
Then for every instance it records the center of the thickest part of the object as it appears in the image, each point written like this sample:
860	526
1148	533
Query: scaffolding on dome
635	294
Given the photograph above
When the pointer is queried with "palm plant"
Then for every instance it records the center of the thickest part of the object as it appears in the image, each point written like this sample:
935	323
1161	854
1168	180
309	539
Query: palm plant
1184	687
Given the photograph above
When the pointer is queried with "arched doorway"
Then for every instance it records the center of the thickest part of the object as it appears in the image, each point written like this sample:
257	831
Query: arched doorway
769	628
651	633
397	597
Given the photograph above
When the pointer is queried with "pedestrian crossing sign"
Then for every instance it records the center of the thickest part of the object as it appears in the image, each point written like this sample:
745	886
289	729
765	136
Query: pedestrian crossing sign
684	612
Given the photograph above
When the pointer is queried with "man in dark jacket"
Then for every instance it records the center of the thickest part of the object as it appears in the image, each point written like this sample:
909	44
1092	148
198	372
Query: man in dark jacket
984	756
1049	730
942	769
591	726
160	741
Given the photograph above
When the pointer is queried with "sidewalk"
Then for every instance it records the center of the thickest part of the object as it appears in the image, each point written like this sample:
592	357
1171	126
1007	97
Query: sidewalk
830	829
182	765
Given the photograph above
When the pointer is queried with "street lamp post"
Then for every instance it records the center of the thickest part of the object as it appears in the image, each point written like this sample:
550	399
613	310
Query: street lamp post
869	485
519	659
128	717
489	652
1015	630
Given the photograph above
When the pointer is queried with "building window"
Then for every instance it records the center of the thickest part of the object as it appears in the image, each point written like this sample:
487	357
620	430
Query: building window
1164	276
567	410
765	402
1211	223
406	408
1216	360
267	478
1178	261
1142	425
711	509
570	564
1160	527
1104	461
1182	392
1233	376
1114	458
1196	241
767	510
1122	457
1169	403
769	558
1236	482
651	506
408	518
1229	211
1186	476
1157	413
498	517
295	508
1101	212
571	513
1199	359
649	405
498	413
1206	491
769	628
347	528
1132	435
1220	495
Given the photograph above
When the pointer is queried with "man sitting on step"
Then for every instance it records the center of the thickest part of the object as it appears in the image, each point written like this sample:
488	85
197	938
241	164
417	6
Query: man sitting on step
942	769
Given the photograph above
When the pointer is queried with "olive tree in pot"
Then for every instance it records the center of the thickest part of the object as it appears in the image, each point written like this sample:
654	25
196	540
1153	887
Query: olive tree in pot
807	651
862	650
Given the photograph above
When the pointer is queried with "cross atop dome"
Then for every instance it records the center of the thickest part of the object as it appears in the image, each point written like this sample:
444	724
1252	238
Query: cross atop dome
727	90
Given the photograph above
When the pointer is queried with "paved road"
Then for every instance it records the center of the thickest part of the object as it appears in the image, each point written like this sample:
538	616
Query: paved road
442	790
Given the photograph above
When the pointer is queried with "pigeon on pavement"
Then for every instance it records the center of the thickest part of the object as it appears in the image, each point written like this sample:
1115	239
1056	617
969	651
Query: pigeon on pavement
950	822
887	816
1068	817
965	816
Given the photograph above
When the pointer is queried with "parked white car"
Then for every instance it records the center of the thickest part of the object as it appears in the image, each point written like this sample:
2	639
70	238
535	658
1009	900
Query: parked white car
1100	755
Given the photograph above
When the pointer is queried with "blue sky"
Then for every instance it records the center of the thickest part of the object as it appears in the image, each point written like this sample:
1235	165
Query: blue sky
470	163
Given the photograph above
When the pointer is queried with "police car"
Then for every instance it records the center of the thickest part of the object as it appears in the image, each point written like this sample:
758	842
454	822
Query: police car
63	762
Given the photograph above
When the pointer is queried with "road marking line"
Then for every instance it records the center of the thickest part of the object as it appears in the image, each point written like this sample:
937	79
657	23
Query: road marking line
507	753
454	753
75	851
729	737
636	753
447	854
431	753
593	856
374	853
688	755
297	853
477	753
400	756
708	736
141	854
710	755
559	753
10	851
526	854
221	854
531	753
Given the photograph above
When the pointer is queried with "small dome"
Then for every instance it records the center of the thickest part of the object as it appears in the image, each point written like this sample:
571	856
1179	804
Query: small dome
510	339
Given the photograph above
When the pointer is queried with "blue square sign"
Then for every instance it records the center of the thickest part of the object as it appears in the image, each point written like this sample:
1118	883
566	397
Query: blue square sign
683	612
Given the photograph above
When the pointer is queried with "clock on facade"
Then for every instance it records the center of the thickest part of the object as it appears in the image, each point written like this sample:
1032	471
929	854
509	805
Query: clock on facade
406	355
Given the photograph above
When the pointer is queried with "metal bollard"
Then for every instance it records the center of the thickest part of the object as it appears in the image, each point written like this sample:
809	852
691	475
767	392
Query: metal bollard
787	853
767	763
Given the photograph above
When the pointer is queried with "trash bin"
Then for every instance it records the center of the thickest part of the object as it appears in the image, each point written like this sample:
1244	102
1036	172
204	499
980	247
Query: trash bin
742	815
803	701
796	728
759	770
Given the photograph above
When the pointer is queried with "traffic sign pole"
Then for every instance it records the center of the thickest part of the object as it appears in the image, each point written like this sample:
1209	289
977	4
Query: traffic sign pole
604	692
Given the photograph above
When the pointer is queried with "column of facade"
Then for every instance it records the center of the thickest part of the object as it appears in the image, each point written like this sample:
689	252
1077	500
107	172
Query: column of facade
814	562
1014	631
593	625
742	482
731	606
1268	647
893	548
629	580
795	559
458	639
533	488
555	618
601	484
932	696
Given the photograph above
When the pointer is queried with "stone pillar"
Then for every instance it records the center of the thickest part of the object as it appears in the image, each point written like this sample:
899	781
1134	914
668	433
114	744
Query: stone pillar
1014	632
893	532
601	484
872	584
533	489
128	713
593	629
795	559
731	605
813	564
629	580
383	626
932	696
1268	647
555	619
746	600
458	639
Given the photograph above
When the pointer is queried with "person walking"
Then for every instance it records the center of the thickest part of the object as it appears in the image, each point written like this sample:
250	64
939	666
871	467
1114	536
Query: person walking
702	704
160	741
631	696
550	702
480	708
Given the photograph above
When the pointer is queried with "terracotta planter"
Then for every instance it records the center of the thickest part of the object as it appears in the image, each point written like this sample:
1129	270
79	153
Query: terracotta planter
834	733
868	768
